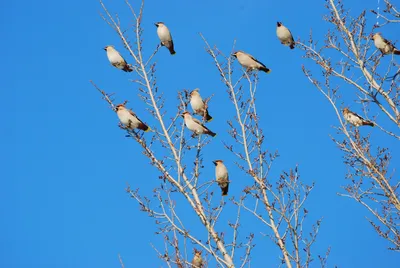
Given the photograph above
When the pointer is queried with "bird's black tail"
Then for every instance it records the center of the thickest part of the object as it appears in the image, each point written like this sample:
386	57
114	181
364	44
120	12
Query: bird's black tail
127	68
170	46
144	127
225	190
291	45
368	123
265	69
208	117
396	52
212	134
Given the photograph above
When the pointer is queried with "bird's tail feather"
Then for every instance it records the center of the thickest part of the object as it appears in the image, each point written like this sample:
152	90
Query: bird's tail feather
212	134
208	117
225	190
144	127
368	123
396	52
127	68
265	69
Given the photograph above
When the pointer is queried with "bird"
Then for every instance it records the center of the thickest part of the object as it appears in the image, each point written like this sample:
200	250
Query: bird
385	46
284	35
117	60
249	62
129	118
221	174
355	119
196	126
198	105
197	261
165	37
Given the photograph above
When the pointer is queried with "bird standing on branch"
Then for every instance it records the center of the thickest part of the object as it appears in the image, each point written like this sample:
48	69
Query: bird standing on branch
284	35
221	174
355	119
197	261
129	119
117	60
385	46
196	126
198	106
165	37
249	62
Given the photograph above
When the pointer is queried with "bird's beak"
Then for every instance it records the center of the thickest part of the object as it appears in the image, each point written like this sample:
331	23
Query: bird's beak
182	115
234	55
156	24
215	163
105	48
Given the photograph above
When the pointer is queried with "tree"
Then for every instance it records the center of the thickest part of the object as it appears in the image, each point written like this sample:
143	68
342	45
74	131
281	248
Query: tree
349	55
278	206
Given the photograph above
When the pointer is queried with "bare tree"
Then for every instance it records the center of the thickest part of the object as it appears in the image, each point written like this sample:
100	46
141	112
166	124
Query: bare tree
281	207
277	203
355	73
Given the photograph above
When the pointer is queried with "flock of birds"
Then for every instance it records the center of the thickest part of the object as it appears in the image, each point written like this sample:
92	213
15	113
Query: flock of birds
129	119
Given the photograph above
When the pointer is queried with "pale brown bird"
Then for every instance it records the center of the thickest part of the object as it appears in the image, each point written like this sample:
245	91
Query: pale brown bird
355	119
196	126
129	119
249	62
165	37
221	174
197	261
117	60
385	46
284	35
198	106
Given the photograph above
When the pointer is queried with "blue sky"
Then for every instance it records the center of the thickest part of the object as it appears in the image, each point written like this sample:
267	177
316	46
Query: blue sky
66	162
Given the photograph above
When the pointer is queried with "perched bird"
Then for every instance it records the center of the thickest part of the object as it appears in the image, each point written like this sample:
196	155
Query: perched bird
198	105
165	37
129	119
355	119
284	35
249	62
221	174
197	261
385	46
117	60
196	126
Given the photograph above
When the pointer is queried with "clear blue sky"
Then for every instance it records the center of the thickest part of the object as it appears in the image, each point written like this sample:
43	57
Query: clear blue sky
65	163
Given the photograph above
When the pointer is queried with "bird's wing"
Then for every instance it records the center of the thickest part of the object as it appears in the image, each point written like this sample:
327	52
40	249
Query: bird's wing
123	59
358	116
256	60
389	43
142	125
134	115
197	121
291	35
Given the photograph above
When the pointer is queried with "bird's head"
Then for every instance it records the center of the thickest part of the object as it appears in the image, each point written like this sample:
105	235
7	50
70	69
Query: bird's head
216	162
197	252
279	24
108	48
234	54
195	92
345	110
185	114
158	24
375	36
119	107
